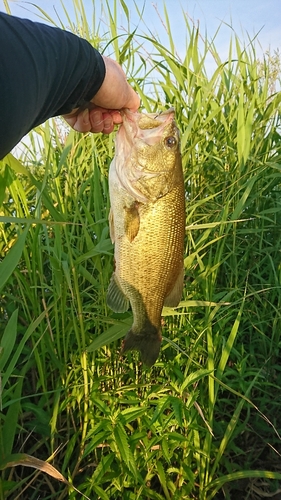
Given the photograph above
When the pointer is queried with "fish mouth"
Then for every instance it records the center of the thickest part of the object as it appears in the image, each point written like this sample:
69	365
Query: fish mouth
146	127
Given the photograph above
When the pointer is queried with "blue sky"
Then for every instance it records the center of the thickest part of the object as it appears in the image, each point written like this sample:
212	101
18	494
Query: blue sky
245	17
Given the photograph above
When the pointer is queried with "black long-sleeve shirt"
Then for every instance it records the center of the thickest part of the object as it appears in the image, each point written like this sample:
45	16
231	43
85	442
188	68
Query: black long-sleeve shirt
44	72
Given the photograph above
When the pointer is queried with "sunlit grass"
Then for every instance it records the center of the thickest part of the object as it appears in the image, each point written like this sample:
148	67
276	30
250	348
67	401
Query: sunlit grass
204	421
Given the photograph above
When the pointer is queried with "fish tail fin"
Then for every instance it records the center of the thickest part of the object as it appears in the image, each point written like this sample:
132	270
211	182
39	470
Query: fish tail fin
147	341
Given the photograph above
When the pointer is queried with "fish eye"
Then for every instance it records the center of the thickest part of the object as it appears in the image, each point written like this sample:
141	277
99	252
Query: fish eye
170	141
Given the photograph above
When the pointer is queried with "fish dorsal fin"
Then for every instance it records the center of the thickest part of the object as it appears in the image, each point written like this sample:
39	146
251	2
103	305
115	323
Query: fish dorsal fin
174	296
115	298
132	221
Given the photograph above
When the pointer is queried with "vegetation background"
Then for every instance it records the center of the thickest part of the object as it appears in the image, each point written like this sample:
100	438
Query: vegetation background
204	422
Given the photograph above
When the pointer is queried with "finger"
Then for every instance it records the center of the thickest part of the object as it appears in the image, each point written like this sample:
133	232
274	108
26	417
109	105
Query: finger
82	123
108	124
133	102
96	120
116	116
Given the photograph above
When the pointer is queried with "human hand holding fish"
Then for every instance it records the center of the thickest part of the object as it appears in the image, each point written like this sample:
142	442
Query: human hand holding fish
147	226
103	112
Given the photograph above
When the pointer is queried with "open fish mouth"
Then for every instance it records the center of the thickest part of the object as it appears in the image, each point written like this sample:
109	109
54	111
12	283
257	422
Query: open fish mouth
146	127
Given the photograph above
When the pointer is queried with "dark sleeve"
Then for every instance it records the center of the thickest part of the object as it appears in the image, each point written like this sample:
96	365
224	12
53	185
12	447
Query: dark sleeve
44	72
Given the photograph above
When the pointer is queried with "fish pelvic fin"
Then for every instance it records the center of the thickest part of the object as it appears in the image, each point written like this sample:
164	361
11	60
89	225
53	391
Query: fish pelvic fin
116	299
147	342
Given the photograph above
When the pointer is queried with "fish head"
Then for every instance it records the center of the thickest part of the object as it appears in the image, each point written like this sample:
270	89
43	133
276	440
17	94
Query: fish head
148	157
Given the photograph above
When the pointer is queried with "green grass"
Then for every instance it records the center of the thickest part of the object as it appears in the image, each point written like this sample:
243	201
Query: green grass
204	422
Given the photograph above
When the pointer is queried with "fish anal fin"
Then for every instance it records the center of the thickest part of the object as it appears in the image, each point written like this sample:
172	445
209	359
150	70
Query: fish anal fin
132	221
116	299
111	226
174	296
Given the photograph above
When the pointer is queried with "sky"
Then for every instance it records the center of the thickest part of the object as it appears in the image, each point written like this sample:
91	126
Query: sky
247	18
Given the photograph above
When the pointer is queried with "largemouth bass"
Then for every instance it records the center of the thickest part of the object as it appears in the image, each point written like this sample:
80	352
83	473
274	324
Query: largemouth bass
147	225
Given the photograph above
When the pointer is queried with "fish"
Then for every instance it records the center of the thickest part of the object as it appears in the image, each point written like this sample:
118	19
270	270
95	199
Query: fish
147	226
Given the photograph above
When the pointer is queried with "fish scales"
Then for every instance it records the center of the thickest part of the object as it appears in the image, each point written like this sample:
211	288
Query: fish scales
147	226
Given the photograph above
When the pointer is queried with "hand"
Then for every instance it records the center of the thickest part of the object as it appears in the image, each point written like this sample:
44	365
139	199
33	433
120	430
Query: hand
104	109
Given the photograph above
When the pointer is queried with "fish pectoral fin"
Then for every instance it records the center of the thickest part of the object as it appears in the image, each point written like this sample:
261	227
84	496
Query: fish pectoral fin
116	299
132	221
111	226
174	296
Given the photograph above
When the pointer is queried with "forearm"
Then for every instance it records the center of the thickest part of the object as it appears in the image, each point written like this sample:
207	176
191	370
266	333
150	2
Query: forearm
44	72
